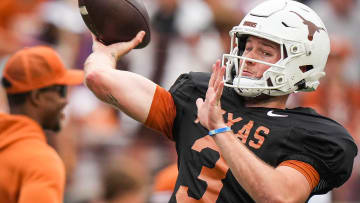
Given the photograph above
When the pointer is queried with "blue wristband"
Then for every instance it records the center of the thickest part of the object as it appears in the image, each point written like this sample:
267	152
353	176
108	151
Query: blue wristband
219	130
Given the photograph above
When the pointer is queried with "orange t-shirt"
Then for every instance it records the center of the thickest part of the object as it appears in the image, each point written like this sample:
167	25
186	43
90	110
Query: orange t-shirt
31	170
161	117
165	180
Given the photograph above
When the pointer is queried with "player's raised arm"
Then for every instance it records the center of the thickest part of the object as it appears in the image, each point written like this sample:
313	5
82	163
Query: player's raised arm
130	92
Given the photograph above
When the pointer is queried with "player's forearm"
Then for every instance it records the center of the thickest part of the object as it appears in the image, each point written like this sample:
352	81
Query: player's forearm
127	91
97	68
262	182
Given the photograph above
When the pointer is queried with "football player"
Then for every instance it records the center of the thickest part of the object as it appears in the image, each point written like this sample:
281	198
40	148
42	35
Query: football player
241	143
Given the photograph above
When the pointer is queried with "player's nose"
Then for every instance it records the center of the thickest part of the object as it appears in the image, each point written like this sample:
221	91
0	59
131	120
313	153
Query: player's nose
249	53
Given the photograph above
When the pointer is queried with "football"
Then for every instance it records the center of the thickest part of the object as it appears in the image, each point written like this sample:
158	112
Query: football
113	21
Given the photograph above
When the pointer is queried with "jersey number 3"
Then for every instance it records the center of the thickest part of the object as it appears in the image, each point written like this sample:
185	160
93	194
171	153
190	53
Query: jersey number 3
212	176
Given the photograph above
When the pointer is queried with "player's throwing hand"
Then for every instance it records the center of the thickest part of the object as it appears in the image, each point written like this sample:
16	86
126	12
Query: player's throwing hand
106	56
118	49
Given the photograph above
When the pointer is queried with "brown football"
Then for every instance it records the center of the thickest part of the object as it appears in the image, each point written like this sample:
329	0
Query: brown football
114	21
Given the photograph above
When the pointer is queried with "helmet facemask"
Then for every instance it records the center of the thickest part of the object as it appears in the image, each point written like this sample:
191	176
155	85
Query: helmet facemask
272	79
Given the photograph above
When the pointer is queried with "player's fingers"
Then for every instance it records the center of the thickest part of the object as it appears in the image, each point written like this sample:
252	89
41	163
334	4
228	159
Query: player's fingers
199	103
93	37
210	93
220	88
219	92
222	73
215	73
96	42
123	48
137	39
218	77
212	77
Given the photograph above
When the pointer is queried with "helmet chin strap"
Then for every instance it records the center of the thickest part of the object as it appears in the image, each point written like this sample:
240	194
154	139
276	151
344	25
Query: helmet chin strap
245	81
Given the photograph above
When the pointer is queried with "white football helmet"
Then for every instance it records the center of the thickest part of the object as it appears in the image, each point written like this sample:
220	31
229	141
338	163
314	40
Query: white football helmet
304	45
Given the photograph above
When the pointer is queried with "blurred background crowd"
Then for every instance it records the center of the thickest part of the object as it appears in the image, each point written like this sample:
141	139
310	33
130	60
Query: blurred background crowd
112	158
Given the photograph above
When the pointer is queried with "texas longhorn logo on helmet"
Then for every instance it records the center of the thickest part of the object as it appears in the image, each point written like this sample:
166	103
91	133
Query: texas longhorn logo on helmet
311	26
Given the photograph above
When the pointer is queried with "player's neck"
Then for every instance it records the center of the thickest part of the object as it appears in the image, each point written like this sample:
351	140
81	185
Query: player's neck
278	102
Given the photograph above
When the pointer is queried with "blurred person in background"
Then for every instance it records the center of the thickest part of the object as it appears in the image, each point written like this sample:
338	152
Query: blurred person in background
227	14
125	180
65	31
34	22
18	19
309	155
342	19
35	81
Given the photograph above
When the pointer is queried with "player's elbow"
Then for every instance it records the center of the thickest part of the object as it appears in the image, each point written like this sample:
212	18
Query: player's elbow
94	81
92	77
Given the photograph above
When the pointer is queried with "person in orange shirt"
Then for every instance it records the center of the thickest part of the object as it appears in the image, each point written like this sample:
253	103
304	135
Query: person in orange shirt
35	82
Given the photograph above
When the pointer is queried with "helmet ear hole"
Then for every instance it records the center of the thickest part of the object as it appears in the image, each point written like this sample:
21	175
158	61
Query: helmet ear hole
306	68
285	52
269	82
301	85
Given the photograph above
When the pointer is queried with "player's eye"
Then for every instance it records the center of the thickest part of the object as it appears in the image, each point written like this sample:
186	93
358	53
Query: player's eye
248	49
266	53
